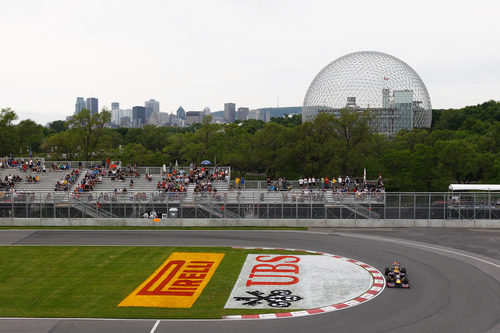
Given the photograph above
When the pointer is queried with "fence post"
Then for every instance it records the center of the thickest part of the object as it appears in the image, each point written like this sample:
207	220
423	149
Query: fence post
310	207
69	206
341	206
399	207
414	206
385	205
489	205
444	206
369	205
26	205
429	204
459	207
324	205
474	207
296	208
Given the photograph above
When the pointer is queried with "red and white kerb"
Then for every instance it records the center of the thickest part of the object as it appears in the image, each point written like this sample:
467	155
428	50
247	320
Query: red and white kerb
376	288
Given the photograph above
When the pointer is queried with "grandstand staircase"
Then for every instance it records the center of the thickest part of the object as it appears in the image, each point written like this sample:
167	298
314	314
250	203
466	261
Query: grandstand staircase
361	210
215	210
91	210
209	206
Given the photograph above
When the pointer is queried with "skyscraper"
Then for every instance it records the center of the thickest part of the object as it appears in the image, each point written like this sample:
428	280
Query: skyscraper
242	113
93	105
152	107
193	117
138	116
229	112
181	114
115	113
80	104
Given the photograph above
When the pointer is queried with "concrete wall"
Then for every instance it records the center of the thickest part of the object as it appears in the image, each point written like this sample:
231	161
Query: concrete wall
178	222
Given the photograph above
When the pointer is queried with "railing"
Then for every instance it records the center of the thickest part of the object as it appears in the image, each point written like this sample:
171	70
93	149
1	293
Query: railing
253	204
142	170
261	185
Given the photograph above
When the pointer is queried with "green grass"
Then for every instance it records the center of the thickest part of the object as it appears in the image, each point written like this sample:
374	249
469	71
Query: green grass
79	281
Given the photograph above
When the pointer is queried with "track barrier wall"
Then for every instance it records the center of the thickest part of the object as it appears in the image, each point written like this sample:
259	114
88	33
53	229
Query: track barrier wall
249	207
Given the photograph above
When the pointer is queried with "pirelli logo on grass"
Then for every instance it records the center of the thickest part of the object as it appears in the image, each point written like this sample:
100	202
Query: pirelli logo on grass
177	283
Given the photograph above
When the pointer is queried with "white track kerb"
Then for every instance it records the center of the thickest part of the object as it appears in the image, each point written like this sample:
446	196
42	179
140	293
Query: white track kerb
338	289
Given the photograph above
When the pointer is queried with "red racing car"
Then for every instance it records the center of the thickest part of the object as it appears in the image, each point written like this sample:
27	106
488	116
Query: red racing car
395	276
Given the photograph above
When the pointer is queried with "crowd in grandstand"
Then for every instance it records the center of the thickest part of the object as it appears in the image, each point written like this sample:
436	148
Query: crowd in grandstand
176	181
310	184
90	179
202	178
172	184
22	164
278	185
340	184
65	183
59	166
32	178
117	173
8	183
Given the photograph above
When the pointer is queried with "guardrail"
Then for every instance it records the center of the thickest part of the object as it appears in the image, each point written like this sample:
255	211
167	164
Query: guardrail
253	204
262	185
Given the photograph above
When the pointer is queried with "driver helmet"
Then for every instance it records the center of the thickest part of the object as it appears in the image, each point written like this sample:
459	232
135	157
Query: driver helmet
396	269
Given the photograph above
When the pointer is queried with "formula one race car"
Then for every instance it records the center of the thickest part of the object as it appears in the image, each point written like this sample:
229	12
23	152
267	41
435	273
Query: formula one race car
395	276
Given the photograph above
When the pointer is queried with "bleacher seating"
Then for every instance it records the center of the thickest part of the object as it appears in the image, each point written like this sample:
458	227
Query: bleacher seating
46	183
141	184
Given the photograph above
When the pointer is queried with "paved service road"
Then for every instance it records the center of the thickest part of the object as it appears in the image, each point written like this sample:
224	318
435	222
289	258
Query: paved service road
455	279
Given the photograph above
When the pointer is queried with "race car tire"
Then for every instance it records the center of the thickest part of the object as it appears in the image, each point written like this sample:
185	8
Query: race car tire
403	270
386	270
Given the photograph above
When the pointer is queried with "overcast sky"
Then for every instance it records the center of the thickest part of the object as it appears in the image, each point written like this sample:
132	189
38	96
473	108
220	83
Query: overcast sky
206	53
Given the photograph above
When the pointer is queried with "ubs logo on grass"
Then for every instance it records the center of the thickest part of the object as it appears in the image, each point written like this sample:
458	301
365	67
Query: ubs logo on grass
276	298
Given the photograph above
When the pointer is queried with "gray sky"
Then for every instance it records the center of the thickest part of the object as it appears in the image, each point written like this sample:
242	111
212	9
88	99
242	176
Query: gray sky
206	53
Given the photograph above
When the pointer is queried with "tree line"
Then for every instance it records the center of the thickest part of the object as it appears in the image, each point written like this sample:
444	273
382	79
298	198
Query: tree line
462	146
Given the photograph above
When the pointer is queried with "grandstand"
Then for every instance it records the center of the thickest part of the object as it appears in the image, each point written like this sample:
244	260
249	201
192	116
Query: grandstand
97	192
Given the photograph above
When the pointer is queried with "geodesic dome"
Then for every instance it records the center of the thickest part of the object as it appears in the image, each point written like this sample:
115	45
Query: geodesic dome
373	81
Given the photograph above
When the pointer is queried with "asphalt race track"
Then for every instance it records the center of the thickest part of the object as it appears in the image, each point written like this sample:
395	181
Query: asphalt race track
454	274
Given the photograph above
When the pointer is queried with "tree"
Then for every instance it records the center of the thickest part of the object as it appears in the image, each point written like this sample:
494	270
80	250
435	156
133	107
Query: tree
7	130
134	154
152	137
29	136
450	119
133	135
270	156
88	128
58	126
288	120
173	148
62	145
315	147
405	139
352	133
457	160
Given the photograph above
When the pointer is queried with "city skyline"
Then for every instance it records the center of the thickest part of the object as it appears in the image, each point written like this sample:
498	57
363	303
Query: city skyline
200	54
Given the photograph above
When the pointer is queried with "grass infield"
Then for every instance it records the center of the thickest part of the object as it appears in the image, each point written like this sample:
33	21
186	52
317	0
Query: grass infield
80	281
